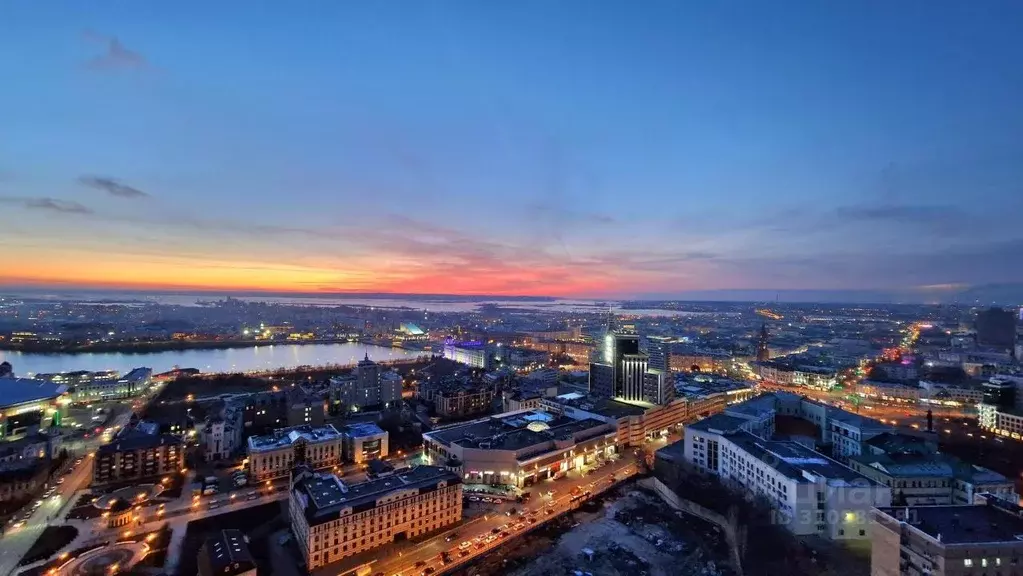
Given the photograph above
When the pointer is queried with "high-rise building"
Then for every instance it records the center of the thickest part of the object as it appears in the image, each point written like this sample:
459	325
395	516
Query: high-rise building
659	350
996	328
763	354
620	370
365	386
658	387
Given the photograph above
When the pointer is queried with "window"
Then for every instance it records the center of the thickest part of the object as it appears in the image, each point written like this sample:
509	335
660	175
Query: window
967	562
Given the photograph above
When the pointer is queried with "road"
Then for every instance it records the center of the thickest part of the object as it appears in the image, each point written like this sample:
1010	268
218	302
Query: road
472	536
17	541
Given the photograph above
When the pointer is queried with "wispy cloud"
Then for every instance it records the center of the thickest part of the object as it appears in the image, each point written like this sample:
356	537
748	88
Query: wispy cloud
115	56
47	204
111	186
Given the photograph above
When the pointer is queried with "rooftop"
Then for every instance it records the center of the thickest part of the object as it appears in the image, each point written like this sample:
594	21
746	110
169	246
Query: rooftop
797	462
965	524
288	436
363	429
14	391
719	424
513	431
138	440
226	554
324	496
601	406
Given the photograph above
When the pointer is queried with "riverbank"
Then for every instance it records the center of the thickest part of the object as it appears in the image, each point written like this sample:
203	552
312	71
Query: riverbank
135	347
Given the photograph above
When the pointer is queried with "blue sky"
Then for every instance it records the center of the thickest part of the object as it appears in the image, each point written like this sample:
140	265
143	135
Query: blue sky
569	148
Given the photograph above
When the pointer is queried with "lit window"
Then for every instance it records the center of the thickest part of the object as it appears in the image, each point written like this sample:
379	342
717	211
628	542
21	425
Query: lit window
967	562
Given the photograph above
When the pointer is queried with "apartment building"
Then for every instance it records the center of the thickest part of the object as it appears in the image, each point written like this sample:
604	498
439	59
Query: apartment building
137	455
274	455
333	520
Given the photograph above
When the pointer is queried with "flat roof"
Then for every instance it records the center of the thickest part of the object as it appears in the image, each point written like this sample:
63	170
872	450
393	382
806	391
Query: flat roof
603	406
364	429
966	524
513	431
14	391
288	436
138	440
326	495
719	424
794	460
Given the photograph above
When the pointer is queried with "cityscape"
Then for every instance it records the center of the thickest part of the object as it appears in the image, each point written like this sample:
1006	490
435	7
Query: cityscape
471	289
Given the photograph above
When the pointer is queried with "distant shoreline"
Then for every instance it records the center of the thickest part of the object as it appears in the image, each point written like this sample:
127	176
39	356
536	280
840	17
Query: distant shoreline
175	346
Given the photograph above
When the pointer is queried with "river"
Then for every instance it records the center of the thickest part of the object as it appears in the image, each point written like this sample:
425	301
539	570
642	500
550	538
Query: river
222	360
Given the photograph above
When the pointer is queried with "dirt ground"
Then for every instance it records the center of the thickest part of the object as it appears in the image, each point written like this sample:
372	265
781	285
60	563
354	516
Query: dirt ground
629	533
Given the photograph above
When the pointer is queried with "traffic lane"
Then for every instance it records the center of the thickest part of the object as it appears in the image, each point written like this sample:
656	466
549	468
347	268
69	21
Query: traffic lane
429	552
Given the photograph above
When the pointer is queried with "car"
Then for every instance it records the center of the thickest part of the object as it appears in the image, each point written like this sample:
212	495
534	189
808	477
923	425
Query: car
518	526
464	545
463	553
474	499
18	524
429	570
531	520
502	535
549	512
421	563
495	531
512	512
450	537
60	480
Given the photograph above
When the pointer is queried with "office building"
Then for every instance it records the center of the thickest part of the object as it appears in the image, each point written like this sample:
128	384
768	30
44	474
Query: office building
519	448
226	554
274	455
621	371
332	520
364	442
475	354
996	328
977	539
659	352
811	494
919	475
137	455
658	387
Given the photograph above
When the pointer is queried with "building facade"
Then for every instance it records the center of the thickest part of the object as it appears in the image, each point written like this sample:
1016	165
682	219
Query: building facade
364	442
136	455
274	455
947	540
333	520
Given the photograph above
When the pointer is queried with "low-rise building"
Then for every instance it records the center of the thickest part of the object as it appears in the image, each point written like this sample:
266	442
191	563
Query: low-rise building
519	448
333	520
364	442
226	554
21	479
920	475
947	540
28	406
136	455
274	455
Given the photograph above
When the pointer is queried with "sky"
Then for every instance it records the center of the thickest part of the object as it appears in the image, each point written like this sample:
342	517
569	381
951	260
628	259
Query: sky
571	148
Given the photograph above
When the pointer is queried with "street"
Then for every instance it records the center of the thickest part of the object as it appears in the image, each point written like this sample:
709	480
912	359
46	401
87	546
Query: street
476	537
17	541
